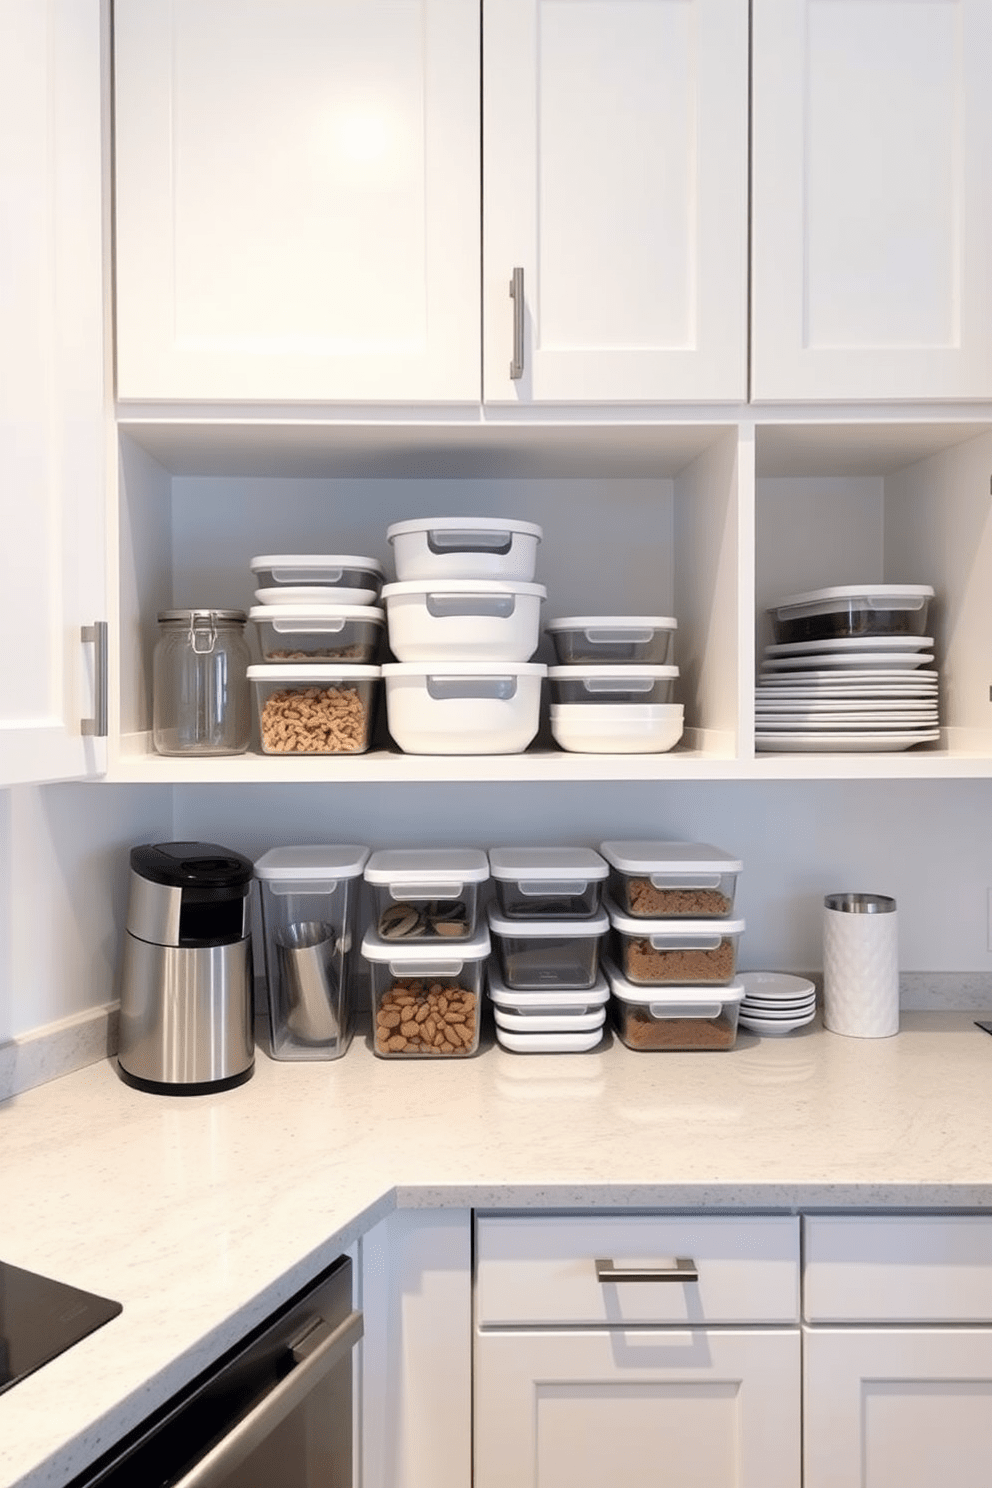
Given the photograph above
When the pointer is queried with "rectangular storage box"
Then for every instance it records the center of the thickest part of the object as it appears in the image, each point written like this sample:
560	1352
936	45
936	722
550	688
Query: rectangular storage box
674	1018
617	728
425	894
852	610
612	684
463	707
547	883
678	953
615	640
339	578
547	954
463	619
314	708
309	898
348	633
426	1000
671	880
464	548
574	1002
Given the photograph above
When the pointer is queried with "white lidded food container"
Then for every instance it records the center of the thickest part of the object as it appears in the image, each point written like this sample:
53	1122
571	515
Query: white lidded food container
677	880
285	578
678	953
542	883
464	548
425	894
615	640
570	1002
619	685
617	728
537	955
426	1000
674	1018
463	707
463	619
332	632
309	898
314	708
852	610
550	1043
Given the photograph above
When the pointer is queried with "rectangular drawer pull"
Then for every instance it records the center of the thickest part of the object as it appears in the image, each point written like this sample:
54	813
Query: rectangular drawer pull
680	1270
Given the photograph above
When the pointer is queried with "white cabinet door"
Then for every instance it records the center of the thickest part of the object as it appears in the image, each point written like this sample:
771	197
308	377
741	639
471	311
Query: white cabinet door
872	217
580	1409
615	177
897	1408
297	200
52	410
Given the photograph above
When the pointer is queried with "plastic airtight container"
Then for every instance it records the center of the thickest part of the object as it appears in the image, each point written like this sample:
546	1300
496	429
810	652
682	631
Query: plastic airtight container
463	619
314	708
615	640
548	883
463	707
309	898
674	1018
612	684
287	633
425	894
426	1000
617	728
852	610
301	578
464	548
573	1002
547	955
671	880
676	953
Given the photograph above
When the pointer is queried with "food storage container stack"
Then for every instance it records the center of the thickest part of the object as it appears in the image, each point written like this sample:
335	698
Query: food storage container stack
613	689
547	927
320	632
463	620
674	944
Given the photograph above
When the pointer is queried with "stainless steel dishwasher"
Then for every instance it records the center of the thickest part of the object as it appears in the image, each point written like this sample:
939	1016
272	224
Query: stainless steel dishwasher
276	1408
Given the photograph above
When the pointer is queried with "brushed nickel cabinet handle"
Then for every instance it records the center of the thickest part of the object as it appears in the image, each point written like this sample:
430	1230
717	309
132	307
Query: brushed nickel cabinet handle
517	296
97	636
681	1269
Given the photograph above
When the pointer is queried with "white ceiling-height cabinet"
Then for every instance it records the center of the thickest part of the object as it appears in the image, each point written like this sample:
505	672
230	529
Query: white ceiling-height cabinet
53	414
615	200
871	252
297	200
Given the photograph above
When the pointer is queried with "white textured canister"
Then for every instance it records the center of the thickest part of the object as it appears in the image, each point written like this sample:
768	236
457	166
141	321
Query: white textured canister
861	965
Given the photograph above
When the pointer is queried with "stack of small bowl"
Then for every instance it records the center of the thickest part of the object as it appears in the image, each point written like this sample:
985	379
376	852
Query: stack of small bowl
320	631
463	619
613	689
547	926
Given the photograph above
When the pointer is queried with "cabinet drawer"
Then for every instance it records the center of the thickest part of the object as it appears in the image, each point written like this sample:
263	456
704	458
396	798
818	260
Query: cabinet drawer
898	1269
541	1271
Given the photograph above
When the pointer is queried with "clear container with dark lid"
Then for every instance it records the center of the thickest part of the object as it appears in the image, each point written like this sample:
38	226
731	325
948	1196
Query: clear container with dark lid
201	699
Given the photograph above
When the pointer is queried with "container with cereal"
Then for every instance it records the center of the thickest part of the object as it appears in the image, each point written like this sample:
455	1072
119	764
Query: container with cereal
351	633
678	953
671	880
426	1001
673	1018
311	708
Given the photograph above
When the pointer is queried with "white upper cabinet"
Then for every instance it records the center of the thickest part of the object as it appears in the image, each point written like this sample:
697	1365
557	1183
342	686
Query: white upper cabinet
872	214
615	178
297	200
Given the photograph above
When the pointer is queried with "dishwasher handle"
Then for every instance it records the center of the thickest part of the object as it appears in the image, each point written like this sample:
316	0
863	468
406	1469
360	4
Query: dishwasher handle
315	1354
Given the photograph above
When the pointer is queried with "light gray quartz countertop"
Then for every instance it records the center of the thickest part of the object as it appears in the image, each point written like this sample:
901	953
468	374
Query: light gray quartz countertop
202	1214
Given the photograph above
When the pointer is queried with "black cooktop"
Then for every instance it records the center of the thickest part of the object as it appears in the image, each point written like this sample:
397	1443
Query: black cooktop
40	1318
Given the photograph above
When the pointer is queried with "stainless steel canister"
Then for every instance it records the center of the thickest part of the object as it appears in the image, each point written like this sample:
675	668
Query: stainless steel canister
201	697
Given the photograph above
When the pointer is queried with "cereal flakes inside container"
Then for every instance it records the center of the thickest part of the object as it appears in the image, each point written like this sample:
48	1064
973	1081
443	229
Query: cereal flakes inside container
671	880
426	1004
656	953
314	709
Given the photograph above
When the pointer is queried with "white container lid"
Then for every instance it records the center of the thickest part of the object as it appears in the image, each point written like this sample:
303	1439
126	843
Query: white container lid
543	929
304	863
547	864
531	1023
595	996
645	858
603	672
876	596
420	958
455	525
272	562
294	617
549	1043
487	587
428	867
673	1002
312	672
487	669
713	929
613	622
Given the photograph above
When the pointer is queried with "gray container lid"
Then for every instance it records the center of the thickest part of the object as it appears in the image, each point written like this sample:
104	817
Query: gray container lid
547	864
551	929
427	865
669	857
312	863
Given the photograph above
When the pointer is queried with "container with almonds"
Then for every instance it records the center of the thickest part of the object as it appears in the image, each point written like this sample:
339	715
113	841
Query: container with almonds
426	1001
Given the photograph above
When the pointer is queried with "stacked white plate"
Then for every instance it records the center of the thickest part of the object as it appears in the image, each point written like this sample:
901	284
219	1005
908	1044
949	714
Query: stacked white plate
857	693
775	1003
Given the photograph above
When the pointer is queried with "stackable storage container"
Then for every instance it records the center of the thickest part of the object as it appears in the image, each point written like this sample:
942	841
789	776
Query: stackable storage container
425	894
463	707
426	999
852	610
548	883
565	1022
620	685
671	880
314	708
316	633
463	619
572	1002
464	548
549	954
309	898
676	953
317	578
614	640
616	728
676	1017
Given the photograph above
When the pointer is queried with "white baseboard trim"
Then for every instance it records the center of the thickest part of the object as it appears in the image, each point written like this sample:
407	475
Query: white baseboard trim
56	1049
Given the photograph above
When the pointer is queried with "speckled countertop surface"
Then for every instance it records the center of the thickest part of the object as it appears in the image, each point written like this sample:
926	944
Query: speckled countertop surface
200	1215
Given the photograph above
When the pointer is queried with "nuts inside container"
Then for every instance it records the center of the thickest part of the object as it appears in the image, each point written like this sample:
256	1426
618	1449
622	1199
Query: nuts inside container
446	918
423	1017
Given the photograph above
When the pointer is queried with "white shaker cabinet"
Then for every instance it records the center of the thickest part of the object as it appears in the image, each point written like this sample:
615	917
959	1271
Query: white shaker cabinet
872	218
297	200
615	184
53	414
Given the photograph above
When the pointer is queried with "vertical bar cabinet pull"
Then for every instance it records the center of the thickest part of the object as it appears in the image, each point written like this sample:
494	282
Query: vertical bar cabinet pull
97	635
517	296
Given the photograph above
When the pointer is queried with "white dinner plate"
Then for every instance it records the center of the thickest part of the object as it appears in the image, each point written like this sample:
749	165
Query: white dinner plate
771	722
851	643
774	1026
816	704
890	660
850	684
767	1007
775	984
842	743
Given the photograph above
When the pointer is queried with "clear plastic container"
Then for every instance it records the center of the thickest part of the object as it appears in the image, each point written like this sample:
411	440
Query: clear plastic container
852	610
572	1002
314	708
543	883
201	702
612	684
463	619
463	707
615	640
309	898
677	1018
425	894
677	953
353	580
464	548
349	633
546	955
426	1000
671	880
